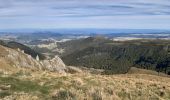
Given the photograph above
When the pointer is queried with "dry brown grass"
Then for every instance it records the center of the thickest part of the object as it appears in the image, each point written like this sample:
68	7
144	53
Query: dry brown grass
135	70
86	86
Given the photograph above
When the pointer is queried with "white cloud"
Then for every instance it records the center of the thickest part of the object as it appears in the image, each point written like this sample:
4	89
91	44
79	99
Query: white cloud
85	13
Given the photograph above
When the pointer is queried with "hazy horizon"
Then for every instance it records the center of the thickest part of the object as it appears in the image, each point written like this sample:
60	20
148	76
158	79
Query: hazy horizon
86	30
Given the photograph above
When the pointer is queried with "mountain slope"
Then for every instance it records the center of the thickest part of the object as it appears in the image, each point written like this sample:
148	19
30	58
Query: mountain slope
118	56
80	44
26	49
11	59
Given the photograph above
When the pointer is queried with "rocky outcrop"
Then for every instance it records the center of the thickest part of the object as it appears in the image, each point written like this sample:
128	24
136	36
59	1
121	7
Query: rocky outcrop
17	58
55	64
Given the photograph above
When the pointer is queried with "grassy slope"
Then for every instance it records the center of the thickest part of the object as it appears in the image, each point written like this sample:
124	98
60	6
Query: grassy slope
134	70
47	85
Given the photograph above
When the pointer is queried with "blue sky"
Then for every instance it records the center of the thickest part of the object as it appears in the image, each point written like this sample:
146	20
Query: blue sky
116	14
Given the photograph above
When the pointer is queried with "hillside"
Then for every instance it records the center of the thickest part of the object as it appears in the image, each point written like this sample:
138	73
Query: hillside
134	70
81	44
12	59
117	57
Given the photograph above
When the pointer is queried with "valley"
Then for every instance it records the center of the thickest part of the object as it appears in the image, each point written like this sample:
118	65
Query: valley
113	53
94	67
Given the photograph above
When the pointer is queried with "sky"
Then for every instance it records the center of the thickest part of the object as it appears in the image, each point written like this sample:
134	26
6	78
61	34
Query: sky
105	14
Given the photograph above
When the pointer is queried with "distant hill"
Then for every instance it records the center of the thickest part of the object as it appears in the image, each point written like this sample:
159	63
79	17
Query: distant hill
81	44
